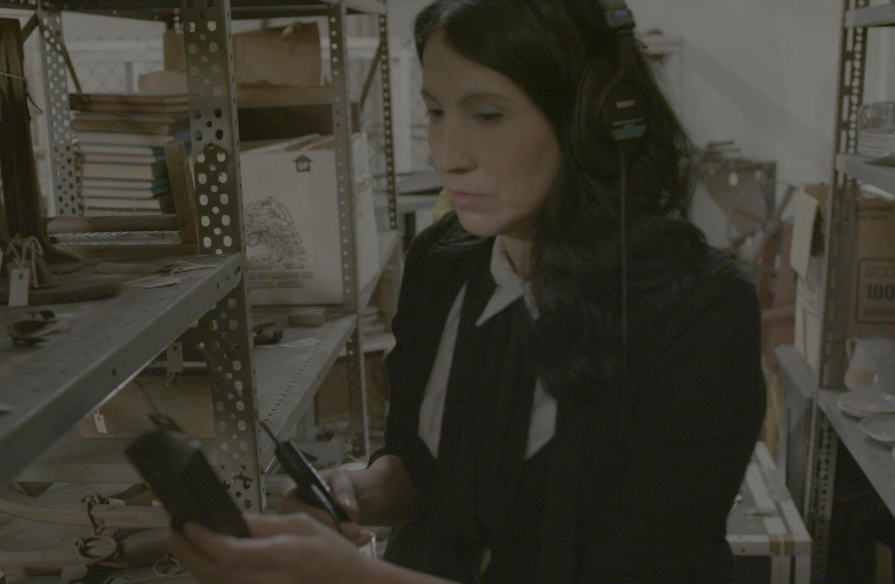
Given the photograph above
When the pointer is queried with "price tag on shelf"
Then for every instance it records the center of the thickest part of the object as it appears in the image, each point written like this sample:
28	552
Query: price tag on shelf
100	422
18	286
175	358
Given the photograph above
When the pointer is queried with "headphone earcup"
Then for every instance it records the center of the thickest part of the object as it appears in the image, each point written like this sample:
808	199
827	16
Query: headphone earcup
625	116
610	119
595	148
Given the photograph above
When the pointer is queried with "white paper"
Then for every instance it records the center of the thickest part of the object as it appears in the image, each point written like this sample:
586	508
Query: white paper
18	286
800	254
175	358
100	422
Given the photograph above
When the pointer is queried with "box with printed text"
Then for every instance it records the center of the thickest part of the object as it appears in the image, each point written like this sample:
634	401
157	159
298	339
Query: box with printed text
292	225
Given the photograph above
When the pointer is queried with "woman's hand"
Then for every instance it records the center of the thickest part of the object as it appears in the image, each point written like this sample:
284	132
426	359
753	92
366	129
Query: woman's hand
343	488
283	549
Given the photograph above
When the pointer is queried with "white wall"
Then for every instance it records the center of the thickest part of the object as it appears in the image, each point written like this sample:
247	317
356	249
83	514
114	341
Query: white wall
761	72
401	14
764	73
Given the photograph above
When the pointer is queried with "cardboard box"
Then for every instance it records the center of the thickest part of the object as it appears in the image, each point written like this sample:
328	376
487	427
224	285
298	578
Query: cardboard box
872	297
287	56
331	400
292	223
286	122
871	284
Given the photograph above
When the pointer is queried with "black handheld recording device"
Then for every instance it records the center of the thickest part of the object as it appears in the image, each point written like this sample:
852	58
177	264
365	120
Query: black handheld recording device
173	465
310	485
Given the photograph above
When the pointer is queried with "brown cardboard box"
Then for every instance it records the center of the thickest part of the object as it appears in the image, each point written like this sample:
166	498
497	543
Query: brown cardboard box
871	285
167	81
172	50
331	400
872	290
287	56
247	94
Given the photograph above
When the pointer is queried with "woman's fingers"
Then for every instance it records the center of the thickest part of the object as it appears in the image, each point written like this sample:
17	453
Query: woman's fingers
260	551
302	524
272	525
343	491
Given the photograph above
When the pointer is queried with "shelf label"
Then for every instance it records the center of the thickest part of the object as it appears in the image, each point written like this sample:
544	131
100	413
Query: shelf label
175	358
18	286
100	422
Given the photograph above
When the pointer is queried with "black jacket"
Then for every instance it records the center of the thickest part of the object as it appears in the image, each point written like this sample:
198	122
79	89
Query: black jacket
696	404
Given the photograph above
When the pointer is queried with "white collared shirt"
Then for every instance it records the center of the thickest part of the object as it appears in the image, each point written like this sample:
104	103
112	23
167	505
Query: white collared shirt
510	287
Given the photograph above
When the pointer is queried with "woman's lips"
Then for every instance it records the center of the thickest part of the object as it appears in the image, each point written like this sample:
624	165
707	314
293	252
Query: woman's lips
463	200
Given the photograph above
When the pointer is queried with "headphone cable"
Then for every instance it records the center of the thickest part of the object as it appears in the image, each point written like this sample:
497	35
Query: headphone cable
623	395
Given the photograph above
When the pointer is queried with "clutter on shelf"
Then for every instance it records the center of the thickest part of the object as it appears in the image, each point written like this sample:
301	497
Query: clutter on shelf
121	149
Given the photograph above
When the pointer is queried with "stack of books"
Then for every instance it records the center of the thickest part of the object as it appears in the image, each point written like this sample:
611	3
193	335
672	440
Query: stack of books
121	149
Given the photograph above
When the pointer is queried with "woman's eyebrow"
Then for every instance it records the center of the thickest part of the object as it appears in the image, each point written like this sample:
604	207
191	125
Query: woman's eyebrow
485	96
477	96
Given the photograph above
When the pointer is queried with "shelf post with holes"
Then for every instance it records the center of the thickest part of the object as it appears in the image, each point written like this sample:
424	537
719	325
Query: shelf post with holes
388	129
840	235
66	191
343	135
226	327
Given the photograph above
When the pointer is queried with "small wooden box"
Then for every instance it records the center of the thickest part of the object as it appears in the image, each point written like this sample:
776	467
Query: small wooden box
764	529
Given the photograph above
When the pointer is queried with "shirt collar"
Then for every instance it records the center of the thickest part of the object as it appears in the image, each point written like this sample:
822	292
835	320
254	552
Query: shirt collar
509	286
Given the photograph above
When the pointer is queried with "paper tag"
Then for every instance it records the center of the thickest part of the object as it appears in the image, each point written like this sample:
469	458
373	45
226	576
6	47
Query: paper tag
100	422
175	358
800	253
18	286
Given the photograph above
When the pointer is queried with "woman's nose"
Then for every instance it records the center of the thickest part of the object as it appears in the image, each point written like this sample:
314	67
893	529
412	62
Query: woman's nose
450	149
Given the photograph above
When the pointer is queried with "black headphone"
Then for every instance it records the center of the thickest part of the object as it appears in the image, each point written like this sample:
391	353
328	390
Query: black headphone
621	103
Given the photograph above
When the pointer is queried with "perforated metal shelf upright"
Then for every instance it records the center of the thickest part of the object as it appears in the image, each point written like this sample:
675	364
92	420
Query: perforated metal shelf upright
226	328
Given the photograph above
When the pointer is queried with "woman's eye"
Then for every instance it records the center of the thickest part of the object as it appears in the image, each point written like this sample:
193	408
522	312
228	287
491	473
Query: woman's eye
489	117
434	112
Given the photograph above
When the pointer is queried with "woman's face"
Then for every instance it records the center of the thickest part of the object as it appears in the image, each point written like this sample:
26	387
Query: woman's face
493	148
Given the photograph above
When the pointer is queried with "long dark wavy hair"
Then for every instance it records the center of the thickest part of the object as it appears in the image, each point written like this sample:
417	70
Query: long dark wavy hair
561	53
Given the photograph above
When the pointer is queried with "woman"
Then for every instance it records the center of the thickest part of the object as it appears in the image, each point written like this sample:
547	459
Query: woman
563	407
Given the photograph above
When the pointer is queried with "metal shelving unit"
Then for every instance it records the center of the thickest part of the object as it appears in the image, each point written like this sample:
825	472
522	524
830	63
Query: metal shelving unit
48	389
863	16
813	425
290	373
213	301
867	171
875	459
388	243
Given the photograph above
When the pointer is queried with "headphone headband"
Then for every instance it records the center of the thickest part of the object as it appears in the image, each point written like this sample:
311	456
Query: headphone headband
618	15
